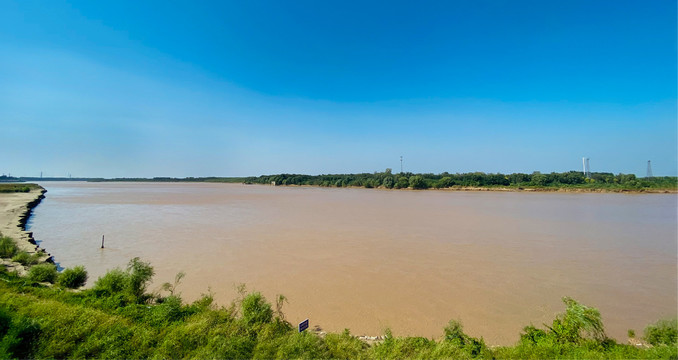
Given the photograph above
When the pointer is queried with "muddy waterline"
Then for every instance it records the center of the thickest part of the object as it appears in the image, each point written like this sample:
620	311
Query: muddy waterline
368	259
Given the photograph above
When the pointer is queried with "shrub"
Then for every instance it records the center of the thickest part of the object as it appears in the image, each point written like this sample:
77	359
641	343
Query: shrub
302	345
662	332
130	284
255	309
25	258
43	273
7	247
454	333
578	322
345	346
73	278
140	274
113	282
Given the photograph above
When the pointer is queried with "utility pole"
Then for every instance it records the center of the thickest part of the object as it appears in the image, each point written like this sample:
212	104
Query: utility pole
587	169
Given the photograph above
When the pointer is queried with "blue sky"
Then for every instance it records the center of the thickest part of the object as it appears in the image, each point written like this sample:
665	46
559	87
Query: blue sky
188	88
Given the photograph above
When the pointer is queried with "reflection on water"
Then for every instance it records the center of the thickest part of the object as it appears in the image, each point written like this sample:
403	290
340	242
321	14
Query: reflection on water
370	259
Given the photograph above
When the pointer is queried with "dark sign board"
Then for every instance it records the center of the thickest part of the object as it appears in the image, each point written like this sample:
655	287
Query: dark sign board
303	325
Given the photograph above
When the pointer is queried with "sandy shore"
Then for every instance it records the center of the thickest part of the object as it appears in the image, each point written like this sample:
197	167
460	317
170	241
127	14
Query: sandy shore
15	209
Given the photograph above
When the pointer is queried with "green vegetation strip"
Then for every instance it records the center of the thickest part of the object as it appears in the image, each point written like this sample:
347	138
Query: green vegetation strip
573	181
14	188
118	318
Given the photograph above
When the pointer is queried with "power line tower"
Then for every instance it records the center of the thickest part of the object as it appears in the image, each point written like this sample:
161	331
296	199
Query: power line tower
649	169
401	164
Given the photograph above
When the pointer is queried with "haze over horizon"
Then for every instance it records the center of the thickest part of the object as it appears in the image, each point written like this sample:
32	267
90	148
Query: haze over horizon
213	88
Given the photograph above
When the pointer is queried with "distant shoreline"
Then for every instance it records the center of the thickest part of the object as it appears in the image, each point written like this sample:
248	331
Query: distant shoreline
552	189
571	181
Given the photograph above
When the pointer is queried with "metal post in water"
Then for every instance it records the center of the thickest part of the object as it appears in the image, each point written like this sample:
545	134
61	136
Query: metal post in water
102	241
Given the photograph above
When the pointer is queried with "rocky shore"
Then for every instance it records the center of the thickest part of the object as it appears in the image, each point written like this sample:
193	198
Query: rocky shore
15	210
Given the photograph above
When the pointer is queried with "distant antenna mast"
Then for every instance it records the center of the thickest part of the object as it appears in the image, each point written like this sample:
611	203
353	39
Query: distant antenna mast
649	169
401	164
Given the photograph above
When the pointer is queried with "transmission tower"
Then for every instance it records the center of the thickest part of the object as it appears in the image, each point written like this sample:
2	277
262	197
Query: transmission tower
587	169
649	169
401	164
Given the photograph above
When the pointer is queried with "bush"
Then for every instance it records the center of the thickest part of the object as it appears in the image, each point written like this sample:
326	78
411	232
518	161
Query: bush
25	258
113	282
345	346
140	274
578	320
43	273
454	333
130	284
73	278
662	332
255	309
7	247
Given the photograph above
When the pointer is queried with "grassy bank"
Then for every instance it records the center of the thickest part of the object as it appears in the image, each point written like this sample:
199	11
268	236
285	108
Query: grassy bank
14	188
118	318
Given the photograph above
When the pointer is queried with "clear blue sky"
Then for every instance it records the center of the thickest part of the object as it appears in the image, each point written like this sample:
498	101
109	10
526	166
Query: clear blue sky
189	88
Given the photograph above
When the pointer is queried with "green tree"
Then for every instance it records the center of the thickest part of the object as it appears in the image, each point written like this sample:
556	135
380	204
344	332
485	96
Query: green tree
402	183
539	179
417	182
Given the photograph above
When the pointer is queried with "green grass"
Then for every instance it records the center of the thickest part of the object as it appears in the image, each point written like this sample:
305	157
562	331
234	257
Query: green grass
118	319
21	187
7	247
25	258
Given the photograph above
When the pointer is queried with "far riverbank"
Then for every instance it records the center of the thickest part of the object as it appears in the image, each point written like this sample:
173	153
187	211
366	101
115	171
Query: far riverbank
572	181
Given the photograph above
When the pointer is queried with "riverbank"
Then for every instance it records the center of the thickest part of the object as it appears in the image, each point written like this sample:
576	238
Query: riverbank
572	181
15	210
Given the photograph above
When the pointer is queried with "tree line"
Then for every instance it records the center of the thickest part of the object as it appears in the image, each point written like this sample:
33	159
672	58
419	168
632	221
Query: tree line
389	180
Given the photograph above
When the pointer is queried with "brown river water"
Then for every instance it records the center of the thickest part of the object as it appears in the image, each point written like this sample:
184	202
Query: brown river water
368	259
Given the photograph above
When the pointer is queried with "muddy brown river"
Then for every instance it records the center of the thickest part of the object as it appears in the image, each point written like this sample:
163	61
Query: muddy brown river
368	259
